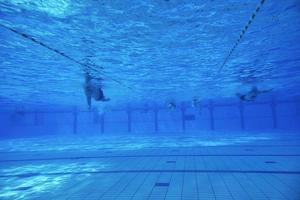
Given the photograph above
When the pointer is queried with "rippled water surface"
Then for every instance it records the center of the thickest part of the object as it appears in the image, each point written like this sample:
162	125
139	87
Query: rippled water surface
147	50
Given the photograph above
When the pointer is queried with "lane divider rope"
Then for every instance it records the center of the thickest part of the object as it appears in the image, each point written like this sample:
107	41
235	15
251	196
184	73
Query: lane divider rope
87	66
244	30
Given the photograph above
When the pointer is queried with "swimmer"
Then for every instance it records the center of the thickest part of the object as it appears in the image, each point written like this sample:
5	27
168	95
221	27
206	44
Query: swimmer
172	105
195	102
252	94
93	89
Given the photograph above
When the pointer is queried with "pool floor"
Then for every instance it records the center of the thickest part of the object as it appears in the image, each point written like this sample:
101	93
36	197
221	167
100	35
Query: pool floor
261	168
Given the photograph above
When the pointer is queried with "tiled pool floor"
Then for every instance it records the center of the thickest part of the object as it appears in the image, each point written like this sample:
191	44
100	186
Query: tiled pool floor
257	169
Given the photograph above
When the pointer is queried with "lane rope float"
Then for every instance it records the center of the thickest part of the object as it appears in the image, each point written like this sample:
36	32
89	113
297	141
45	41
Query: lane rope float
244	30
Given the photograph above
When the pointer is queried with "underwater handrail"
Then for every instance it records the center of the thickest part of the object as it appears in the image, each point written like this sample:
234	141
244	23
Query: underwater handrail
26	36
242	34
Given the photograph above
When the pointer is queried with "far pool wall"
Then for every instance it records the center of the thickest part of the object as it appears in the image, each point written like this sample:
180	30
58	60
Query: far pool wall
223	115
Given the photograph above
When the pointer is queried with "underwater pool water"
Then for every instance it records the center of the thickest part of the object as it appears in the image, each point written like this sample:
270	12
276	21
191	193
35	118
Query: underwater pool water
152	99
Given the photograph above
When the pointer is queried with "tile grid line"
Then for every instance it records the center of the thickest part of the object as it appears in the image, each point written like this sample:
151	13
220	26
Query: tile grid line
149	196
146	164
144	180
196	179
217	164
119	179
263	178
249	180
174	166
252	181
209	179
235	178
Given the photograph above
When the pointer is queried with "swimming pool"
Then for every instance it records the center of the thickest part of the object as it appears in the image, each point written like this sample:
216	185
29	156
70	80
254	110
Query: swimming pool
153	99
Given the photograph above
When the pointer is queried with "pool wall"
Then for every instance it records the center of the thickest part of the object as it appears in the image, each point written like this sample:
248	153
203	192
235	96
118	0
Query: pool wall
266	114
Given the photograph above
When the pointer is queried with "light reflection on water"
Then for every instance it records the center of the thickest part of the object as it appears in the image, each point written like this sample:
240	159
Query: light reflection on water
116	143
27	185
159	48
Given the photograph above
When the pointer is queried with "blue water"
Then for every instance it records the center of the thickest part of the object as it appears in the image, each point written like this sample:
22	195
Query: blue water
174	127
